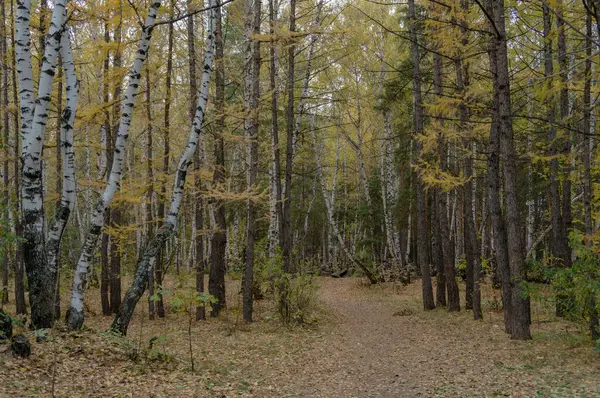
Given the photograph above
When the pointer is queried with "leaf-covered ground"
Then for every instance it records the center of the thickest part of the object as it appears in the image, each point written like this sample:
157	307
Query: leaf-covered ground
367	342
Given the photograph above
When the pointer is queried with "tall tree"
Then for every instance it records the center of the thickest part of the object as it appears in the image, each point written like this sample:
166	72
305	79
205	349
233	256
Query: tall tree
216	280
516	255
75	314
251	104
418	125
34	116
121	321
286	237
199	198
4	119
18	258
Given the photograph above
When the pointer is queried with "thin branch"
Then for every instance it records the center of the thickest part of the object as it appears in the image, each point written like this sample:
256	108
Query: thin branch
170	21
489	18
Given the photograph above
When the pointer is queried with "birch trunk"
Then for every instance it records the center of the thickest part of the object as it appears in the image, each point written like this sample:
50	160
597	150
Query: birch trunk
390	192
103	160
75	313
133	295
149	220
276	216
68	193
34	117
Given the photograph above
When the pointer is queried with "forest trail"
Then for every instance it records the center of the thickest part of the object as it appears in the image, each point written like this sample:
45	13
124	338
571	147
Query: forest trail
384	346
369	341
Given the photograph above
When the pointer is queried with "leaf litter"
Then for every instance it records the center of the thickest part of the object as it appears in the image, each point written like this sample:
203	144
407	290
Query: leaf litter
369	341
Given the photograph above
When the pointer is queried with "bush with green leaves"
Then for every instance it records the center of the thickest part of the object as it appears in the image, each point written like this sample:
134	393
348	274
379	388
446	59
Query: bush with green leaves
296	295
579	284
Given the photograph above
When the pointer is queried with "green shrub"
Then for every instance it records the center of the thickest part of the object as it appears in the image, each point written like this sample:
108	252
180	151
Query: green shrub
580	284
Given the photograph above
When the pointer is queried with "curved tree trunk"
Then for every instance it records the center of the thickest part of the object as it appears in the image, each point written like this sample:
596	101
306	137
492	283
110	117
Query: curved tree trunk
133	295
75	313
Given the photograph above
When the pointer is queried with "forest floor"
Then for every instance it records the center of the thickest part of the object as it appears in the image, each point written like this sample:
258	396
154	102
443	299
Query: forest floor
366	341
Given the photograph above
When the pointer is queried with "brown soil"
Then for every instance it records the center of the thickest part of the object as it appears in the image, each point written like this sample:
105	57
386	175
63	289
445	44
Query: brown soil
368	342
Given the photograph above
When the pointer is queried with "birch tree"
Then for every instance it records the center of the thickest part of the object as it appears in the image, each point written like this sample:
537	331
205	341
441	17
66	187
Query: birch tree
135	291
34	117
75	314
68	194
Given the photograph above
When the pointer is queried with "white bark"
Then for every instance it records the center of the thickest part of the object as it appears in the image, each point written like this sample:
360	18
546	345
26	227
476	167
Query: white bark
331	238
68	194
409	227
75	314
23	63
390	191
133	295
34	117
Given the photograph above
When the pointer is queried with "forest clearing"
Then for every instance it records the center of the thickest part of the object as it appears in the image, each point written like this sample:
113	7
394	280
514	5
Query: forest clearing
364	342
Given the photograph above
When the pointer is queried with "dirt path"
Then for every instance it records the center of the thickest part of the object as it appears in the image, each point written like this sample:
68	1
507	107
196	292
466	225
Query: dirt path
374	353
373	341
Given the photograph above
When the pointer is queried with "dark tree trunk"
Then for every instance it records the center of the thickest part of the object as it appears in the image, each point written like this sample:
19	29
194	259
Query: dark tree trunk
422	238
4	118
437	255
251	94
516	255
216	278
105	272
140	278
150	181
498	226
160	266
20	305
564	304
472	256
587	115
286	237
199	199
563	64
446	243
